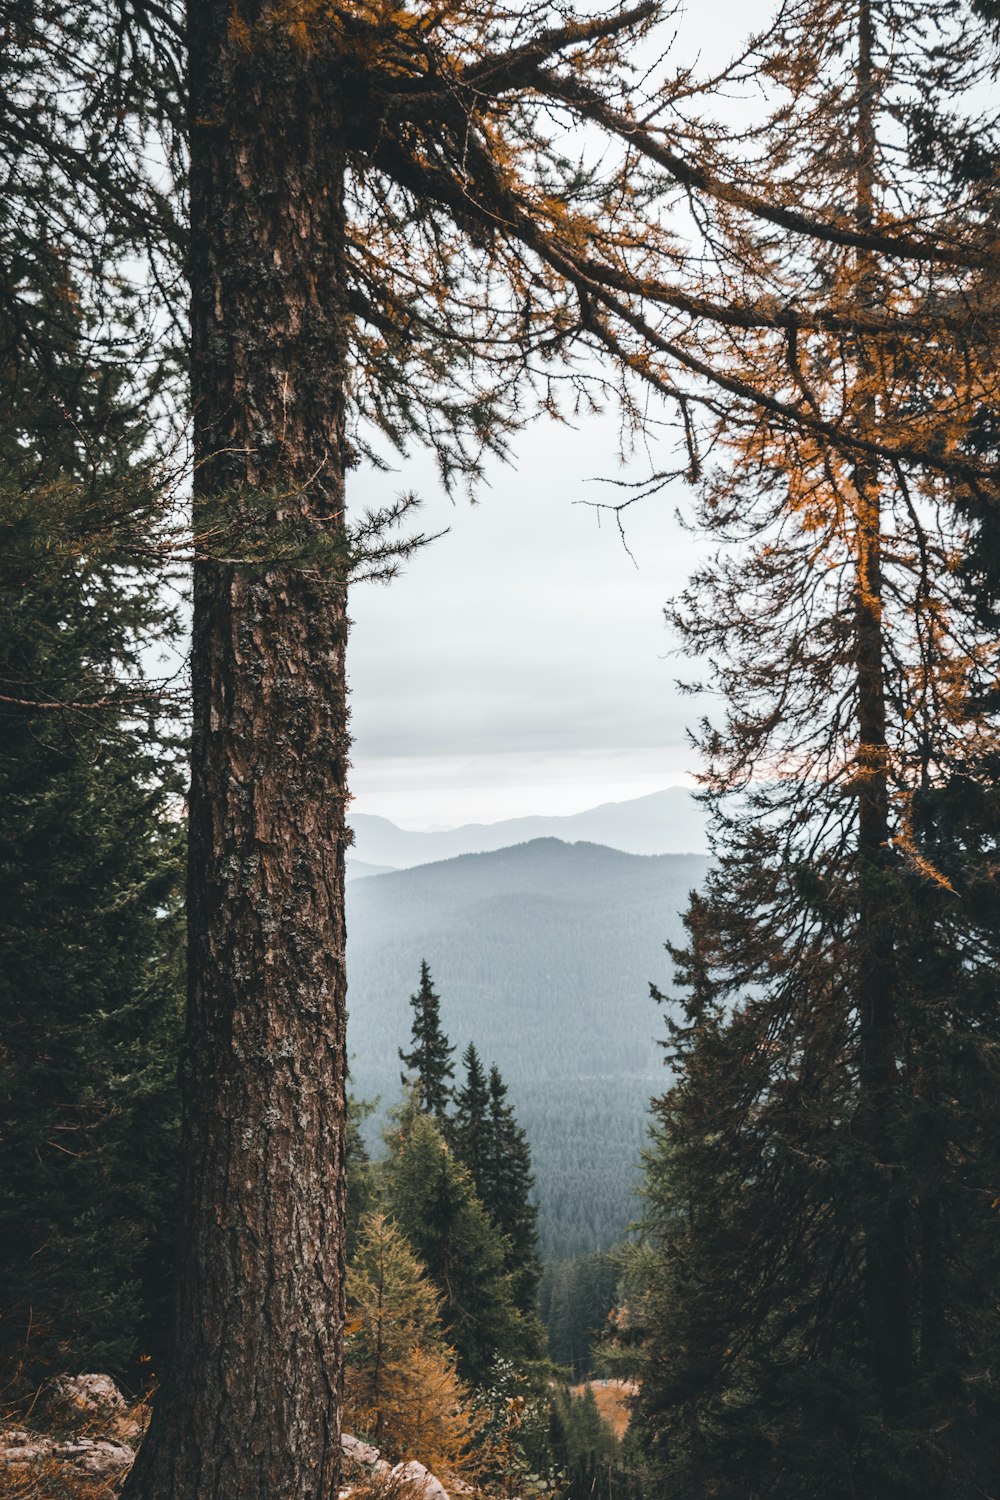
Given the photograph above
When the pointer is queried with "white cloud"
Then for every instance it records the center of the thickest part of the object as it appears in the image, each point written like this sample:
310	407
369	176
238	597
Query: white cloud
522	660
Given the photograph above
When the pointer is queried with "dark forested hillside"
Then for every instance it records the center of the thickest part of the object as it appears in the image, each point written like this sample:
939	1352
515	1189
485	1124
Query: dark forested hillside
542	955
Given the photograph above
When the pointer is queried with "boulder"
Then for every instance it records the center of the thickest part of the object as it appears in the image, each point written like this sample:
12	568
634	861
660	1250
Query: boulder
356	1451
98	1458
17	1447
94	1458
361	1461
419	1481
83	1398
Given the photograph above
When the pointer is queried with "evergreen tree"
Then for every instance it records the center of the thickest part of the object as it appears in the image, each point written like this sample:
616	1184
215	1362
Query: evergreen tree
584	1447
91	943
433	1199
827	1135
505	1185
468	1128
489	1141
352	170
361	1178
429	1057
575	1300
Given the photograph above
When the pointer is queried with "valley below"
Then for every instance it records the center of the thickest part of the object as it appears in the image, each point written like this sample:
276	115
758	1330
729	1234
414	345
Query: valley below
542	954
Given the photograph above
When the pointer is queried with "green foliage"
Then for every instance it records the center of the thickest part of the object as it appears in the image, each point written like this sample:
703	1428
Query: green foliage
362	1183
585	1451
514	1456
489	1141
91	941
433	1199
557	998
429	1057
766	1191
575	1299
468	1128
505	1186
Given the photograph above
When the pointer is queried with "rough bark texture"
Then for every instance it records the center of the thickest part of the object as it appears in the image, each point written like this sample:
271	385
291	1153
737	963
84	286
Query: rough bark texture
250	1408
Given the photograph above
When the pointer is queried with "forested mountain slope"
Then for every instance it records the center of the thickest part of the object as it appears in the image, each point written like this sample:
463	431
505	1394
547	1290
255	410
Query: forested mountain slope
542	954
668	821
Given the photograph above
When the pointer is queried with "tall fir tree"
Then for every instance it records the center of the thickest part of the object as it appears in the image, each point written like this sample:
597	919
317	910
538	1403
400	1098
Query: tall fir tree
362	1183
584	1448
505	1187
430	1053
576	1298
488	1139
433	1199
468	1128
91	940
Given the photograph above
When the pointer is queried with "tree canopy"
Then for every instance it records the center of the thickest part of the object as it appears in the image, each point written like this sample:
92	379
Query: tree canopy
389	236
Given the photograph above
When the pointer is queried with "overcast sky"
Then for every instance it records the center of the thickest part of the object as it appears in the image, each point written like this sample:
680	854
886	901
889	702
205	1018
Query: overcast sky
521	664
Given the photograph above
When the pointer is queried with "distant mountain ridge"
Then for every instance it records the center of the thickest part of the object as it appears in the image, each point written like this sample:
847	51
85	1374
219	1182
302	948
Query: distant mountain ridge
357	869
667	822
542	954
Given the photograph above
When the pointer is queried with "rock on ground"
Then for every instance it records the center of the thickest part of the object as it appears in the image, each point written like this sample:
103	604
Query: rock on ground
105	1452
95	1458
420	1481
411	1478
83	1398
91	1435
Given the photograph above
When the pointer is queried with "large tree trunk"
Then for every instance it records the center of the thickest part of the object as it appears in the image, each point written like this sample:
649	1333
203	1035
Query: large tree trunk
250	1407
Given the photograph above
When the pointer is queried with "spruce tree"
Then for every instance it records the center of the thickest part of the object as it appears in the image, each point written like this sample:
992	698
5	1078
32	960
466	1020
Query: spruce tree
575	1299
430	1054
468	1128
584	1447
505	1187
488	1139
361	1175
91	942
433	1199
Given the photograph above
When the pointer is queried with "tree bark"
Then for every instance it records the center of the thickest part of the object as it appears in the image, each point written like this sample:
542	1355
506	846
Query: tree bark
250	1407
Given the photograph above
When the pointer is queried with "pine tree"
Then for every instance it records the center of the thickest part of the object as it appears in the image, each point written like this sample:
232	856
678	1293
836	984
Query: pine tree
430	1054
353	169
401	1386
576	1298
505	1186
361	1177
433	1199
812	1159
91	943
488	1140
468	1129
584	1447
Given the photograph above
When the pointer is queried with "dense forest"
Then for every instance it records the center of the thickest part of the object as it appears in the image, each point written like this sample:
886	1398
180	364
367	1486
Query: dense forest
246	250
543	955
